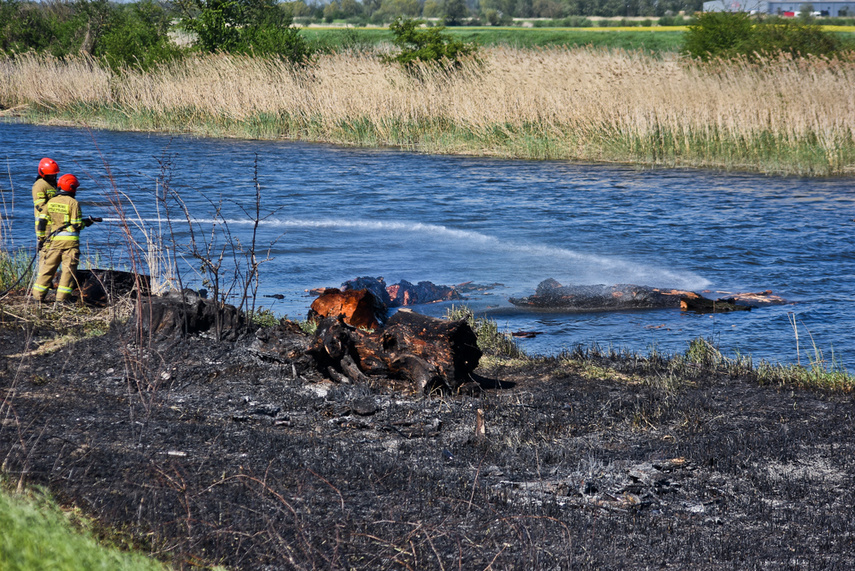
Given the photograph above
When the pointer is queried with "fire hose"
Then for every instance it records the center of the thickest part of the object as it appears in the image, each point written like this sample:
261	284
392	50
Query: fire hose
87	222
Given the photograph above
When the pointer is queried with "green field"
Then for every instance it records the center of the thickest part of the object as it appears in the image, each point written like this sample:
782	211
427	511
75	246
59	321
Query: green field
652	39
659	39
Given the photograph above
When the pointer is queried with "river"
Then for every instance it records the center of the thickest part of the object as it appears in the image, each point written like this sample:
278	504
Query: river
331	214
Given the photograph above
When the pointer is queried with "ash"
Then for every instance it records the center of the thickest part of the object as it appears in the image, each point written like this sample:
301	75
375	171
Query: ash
208	452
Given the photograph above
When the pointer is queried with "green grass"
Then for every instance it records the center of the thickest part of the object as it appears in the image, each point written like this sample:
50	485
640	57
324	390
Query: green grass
37	534
703	359
263	317
491	341
15	268
779	154
658	40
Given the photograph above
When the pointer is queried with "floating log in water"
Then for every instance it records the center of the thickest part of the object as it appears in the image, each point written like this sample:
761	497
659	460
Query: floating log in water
703	305
734	302
552	296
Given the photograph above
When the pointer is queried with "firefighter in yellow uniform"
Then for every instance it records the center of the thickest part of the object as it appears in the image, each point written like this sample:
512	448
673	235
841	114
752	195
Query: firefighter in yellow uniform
45	186
60	223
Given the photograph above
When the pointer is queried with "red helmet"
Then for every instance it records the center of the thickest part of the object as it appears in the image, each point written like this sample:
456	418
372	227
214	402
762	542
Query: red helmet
47	167
68	183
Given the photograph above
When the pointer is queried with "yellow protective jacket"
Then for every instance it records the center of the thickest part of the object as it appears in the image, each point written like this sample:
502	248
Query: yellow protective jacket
42	192
61	214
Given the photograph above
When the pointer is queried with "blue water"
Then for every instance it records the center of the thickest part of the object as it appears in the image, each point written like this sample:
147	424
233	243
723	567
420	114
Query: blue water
333	213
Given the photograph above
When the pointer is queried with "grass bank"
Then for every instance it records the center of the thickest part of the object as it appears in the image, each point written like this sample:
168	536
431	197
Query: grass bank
780	116
702	359
37	534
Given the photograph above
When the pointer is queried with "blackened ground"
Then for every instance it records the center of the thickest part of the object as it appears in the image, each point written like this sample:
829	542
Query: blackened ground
208	453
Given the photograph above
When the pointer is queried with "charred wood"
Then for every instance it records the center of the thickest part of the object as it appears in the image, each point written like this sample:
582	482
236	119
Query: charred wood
430	353
177	314
704	305
359	308
550	295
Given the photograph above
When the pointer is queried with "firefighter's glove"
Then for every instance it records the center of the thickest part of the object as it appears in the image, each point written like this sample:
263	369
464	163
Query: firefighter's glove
41	244
90	221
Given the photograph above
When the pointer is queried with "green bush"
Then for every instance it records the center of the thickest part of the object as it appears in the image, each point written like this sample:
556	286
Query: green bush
260	27
23	27
137	35
718	34
428	45
122	34
733	34
57	28
791	36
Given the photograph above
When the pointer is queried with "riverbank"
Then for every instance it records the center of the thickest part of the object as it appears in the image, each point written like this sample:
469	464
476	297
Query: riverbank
782	117
207	452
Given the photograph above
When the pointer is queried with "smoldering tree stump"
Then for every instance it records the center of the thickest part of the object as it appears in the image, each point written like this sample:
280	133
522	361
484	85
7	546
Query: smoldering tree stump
177	314
359	308
103	287
431	353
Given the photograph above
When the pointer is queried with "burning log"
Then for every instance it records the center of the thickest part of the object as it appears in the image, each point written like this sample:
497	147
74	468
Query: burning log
431	353
403	293
756	299
735	302
377	286
364	302
359	308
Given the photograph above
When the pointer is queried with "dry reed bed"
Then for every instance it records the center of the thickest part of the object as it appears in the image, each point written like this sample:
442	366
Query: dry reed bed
584	103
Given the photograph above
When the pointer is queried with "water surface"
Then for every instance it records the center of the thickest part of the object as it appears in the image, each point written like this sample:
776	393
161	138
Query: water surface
333	213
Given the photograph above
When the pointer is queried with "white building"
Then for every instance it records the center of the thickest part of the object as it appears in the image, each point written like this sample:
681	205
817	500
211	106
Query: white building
832	9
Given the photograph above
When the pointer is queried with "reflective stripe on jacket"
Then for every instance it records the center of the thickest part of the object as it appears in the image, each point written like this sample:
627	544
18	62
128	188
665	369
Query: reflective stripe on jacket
42	192
62	213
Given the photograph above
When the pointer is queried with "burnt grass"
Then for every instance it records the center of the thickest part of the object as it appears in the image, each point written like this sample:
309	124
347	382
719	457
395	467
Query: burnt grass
209	452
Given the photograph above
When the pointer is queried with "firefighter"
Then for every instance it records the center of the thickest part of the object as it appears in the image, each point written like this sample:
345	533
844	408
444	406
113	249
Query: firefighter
60	223
45	186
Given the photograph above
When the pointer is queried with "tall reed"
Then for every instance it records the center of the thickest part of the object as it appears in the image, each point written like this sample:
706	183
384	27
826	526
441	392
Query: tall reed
780	115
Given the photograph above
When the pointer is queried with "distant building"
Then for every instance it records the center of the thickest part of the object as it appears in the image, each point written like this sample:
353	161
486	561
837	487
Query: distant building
750	6
832	9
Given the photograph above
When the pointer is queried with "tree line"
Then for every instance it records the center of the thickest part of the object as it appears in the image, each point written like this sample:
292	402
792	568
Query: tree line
139	32
144	33
492	12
